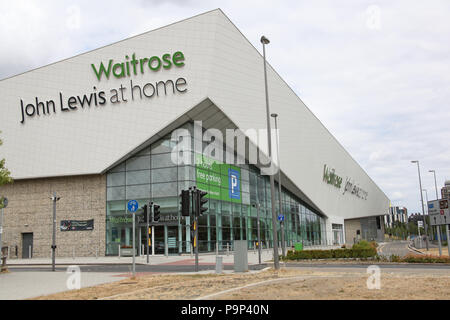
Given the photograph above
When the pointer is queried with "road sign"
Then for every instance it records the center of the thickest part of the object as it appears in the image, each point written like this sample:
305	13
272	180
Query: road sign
133	206
280	217
5	202
439	212
420	224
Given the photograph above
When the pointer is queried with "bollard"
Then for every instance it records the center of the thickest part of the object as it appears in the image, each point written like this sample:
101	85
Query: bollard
29	252
119	251
228	249
219	264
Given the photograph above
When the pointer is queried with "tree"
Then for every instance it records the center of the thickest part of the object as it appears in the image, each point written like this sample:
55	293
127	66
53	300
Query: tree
4	175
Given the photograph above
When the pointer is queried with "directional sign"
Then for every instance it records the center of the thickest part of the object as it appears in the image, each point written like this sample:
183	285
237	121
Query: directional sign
280	217
439	212
420	224
132	206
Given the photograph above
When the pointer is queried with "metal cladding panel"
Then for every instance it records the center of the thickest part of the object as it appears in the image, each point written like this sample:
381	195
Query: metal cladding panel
87	140
220	64
305	144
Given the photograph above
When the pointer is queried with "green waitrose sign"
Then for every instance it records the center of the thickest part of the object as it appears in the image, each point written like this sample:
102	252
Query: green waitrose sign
221	181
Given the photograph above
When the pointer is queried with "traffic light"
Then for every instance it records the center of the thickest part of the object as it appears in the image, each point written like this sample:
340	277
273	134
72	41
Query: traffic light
201	202
145	208
185	203
156	212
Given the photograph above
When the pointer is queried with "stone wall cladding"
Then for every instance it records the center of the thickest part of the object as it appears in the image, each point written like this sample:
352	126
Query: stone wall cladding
30	209
351	225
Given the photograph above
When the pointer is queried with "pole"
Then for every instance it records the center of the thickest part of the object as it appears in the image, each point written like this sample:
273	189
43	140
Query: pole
276	261
448	239
194	212
423	209
1	229
54	232
283	245
150	209
420	238
438	228
134	245
435	184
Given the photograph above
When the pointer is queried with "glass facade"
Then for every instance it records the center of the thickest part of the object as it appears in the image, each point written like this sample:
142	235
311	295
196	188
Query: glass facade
154	175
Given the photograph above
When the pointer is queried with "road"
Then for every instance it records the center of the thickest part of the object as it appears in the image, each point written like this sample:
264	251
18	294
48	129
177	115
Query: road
398	248
125	268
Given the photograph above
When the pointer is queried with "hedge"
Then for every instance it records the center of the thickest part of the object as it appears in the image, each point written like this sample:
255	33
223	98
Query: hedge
331	254
411	258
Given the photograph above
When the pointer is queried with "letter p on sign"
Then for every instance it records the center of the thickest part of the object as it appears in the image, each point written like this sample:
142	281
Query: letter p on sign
233	184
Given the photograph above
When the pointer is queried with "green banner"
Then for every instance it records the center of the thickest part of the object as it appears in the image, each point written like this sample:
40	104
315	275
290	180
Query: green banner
222	181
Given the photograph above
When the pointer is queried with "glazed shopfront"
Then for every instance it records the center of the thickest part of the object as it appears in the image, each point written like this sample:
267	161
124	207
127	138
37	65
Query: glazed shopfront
153	175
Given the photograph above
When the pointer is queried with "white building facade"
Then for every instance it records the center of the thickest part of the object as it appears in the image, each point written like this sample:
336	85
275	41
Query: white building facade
98	129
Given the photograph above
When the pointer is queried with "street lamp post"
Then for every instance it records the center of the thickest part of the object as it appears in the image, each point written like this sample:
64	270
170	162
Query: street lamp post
276	260
54	199
423	209
435	183
283	245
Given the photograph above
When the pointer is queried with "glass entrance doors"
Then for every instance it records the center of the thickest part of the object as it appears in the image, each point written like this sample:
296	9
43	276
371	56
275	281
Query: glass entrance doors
164	240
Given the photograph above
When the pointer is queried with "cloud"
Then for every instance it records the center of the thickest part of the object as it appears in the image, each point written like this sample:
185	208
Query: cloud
379	84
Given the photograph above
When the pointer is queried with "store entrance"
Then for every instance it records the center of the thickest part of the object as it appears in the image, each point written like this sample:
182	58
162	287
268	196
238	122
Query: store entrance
157	240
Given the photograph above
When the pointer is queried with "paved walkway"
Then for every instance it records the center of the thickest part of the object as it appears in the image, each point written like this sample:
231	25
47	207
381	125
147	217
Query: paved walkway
24	285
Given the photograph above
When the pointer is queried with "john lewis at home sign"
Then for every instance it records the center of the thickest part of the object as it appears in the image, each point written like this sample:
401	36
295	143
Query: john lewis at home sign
121	94
330	177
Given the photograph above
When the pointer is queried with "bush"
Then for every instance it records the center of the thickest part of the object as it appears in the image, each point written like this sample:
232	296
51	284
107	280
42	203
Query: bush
413	258
331	254
363	244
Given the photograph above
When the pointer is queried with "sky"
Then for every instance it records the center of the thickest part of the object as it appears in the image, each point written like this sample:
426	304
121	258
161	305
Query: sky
376	73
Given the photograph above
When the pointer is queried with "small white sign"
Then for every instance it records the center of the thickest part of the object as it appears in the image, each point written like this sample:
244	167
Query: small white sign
420	224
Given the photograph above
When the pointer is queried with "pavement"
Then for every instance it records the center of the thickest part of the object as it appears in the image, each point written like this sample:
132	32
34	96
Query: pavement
24	285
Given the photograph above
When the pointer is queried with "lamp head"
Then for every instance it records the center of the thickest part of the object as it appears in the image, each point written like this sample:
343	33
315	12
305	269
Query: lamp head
264	40
274	115
414	161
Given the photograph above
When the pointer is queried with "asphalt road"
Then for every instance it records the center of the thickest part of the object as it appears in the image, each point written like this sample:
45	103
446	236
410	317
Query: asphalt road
125	268
398	248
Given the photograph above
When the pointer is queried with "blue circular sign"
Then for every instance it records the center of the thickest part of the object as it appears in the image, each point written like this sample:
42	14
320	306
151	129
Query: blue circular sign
280	217
133	206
